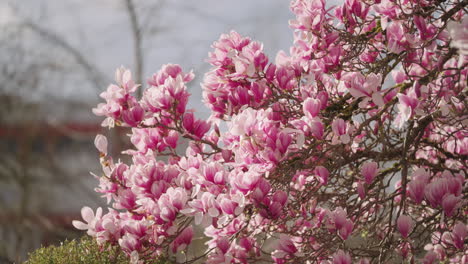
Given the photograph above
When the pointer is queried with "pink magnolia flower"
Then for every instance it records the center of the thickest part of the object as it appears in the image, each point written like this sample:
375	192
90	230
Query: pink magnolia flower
311	107
317	129
182	240
361	190
340	129
341	223
386	8
369	87
309	14
90	218
438	189
198	128
396	37
459	234
425	31
124	79
129	243
430	257
133	116
364	261
404	225
169	71
417	185
450	203
244	123
101	144
407	107
229	207
369	170
285	246
341	257
322	174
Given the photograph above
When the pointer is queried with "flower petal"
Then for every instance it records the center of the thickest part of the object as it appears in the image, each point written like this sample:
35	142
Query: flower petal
79	225
87	214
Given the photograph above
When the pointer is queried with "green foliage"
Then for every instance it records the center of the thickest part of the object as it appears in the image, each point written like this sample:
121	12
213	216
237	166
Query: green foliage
83	251
77	252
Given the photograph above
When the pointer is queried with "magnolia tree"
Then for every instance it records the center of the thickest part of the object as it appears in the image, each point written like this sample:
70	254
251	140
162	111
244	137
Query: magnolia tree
351	148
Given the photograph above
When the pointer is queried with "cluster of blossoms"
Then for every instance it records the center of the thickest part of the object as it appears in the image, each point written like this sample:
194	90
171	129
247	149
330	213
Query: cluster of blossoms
351	148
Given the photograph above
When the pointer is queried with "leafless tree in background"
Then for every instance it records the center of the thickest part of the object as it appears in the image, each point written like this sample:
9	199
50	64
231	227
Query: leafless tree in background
45	160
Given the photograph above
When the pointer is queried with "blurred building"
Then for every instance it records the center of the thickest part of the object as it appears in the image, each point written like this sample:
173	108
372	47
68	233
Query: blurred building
44	176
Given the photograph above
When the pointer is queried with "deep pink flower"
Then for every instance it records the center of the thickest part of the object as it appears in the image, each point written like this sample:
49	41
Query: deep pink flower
133	116
198	128
101	144
361	190
322	174
404	225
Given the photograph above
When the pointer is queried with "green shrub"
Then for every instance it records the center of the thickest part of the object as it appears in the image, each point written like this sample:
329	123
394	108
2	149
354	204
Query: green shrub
83	251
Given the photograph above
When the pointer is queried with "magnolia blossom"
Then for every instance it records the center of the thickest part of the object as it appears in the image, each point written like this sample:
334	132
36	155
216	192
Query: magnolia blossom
341	257
459	234
369	170
404	225
363	120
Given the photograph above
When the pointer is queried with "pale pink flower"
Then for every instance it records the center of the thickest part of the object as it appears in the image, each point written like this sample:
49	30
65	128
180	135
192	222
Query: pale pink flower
129	243
407	107
285	246
101	143
341	257
90	219
311	107
316	128
369	170
396	36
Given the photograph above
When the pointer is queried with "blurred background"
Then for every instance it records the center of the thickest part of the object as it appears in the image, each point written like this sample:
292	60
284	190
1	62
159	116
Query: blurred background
56	57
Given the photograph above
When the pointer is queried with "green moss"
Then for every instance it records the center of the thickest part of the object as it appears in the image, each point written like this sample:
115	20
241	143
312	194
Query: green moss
83	251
